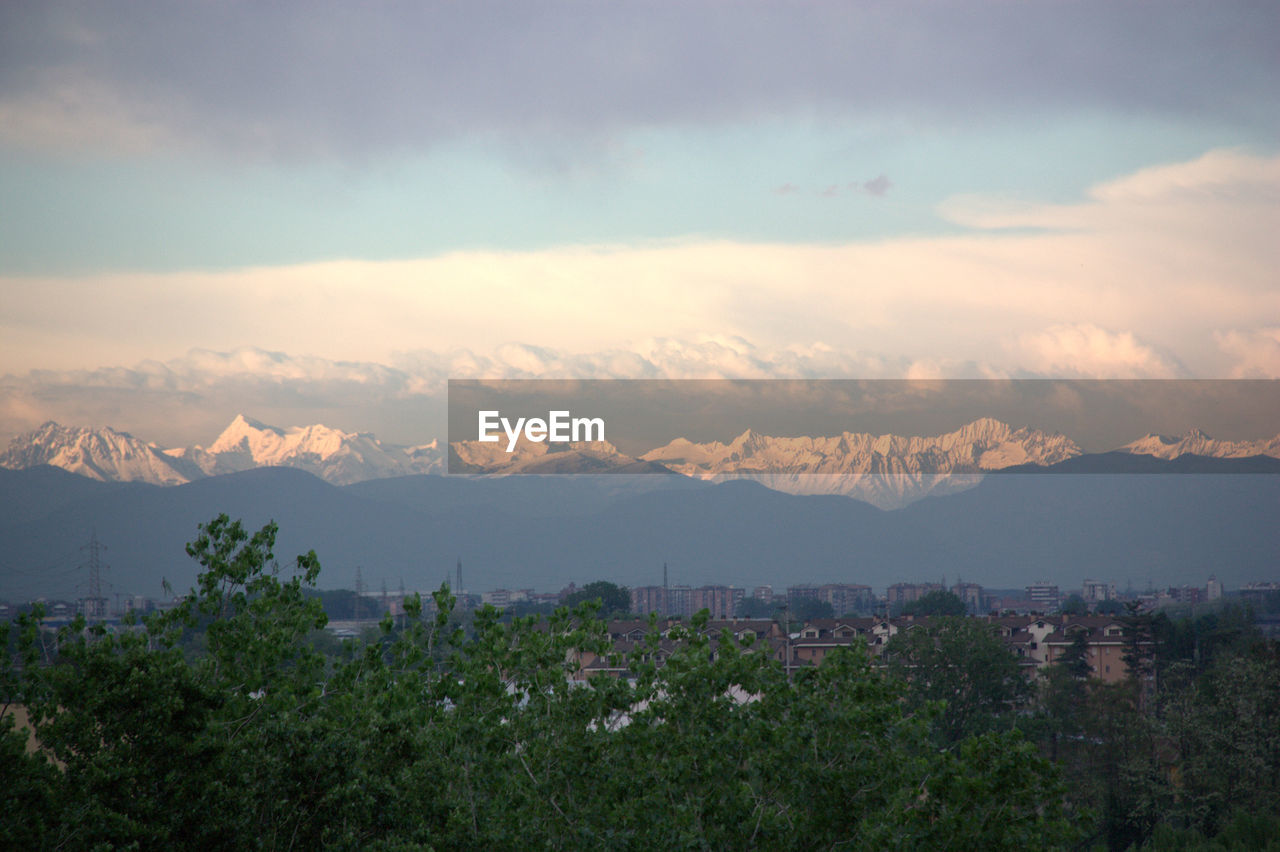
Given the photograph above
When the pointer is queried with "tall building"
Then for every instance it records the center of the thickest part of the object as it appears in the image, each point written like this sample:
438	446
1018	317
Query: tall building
1213	589
803	590
647	599
1187	594
1097	591
975	601
721	601
1045	596
680	601
847	598
900	594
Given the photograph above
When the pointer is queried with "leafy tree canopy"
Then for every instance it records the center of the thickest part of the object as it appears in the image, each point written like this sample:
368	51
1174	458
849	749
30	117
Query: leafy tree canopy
804	609
430	738
614	600
755	608
961	662
938	602
1109	607
1074	605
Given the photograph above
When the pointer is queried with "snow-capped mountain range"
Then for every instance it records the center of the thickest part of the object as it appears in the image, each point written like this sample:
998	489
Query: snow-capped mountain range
887	470
544	458
1197	443
333	455
103	454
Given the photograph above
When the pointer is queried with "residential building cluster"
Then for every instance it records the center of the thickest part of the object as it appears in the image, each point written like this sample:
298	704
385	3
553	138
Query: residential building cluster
1037	641
725	602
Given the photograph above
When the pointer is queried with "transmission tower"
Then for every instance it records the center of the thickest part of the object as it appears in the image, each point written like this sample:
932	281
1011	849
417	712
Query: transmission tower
94	603
359	593
459	575
666	592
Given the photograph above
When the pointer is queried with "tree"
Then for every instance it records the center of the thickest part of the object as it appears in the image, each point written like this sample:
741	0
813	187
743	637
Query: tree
807	609
1227	725
1064	691
1075	660
432	737
614	600
1109	607
937	602
961	662
755	608
1138	652
1074	605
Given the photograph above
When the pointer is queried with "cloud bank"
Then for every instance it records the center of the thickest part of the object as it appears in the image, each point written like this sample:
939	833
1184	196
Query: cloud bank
1181	258
302	78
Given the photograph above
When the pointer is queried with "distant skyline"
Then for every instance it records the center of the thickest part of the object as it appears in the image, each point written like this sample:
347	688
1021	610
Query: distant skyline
321	212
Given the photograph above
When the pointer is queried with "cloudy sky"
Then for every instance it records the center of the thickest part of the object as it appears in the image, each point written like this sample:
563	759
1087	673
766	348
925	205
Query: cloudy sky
322	211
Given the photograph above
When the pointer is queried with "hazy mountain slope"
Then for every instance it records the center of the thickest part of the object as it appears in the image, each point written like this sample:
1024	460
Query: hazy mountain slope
146	531
1173	528
31	493
518	495
543	532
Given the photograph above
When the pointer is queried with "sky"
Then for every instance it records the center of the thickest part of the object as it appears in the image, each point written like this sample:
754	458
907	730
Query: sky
321	212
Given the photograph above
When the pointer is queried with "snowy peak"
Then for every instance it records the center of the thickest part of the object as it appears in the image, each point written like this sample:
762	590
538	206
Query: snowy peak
1197	443
887	470
542	458
269	445
982	445
98	453
332	454
246	435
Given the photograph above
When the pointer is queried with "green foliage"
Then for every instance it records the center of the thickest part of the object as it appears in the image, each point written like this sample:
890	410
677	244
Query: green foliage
938	602
1109	607
1177	766
755	608
1226	723
1246	832
1074	605
338	604
614	600
960	661
805	609
430	737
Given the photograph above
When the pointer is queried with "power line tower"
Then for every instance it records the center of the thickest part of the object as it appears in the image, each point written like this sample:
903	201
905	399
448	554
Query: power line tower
459	591
359	593
402	603
666	593
95	603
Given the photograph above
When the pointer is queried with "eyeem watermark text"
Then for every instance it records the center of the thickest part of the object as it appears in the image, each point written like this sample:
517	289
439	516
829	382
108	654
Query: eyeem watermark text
560	427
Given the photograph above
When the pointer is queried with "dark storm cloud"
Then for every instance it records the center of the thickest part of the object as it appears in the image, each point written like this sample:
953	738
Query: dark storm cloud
350	78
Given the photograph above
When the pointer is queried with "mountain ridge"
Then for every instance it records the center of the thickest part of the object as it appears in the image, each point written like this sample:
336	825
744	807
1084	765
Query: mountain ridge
889	471
107	455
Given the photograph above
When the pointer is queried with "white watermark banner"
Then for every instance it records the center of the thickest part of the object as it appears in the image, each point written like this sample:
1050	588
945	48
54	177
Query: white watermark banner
715	428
